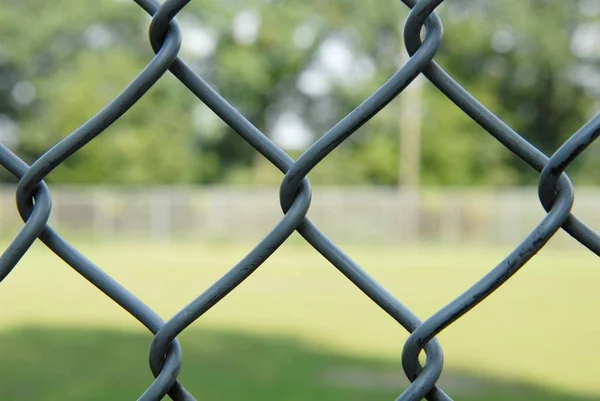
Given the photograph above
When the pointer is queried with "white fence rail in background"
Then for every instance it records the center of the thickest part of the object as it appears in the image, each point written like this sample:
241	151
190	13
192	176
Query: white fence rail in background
346	214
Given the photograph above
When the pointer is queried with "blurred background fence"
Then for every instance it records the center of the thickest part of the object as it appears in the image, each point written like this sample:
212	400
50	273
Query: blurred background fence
376	215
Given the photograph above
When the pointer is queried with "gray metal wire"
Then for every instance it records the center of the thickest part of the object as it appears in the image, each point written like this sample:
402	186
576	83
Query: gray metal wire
556	194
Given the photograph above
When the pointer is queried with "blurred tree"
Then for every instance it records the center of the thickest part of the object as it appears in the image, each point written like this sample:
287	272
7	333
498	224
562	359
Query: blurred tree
294	68
521	58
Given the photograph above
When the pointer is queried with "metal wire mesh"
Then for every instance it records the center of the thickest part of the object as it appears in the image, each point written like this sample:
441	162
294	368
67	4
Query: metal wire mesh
555	193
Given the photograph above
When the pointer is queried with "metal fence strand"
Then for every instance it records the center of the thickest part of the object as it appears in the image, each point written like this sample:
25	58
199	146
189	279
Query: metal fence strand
96	276
496	127
555	192
36	217
265	146
556	166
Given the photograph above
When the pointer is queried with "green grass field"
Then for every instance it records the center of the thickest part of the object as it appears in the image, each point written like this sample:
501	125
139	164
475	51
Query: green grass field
297	329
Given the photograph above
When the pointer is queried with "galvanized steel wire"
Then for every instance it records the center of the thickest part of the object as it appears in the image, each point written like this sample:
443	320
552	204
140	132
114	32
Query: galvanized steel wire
556	195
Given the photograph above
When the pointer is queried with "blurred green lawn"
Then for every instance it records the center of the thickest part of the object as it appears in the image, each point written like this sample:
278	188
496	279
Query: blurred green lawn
297	329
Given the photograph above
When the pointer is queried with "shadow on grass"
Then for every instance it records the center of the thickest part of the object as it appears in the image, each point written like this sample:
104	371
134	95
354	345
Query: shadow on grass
43	364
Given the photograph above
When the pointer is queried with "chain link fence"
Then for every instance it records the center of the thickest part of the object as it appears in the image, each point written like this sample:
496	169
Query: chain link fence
555	192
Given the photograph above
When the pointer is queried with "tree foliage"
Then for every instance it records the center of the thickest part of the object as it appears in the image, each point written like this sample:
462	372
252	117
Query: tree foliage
294	68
